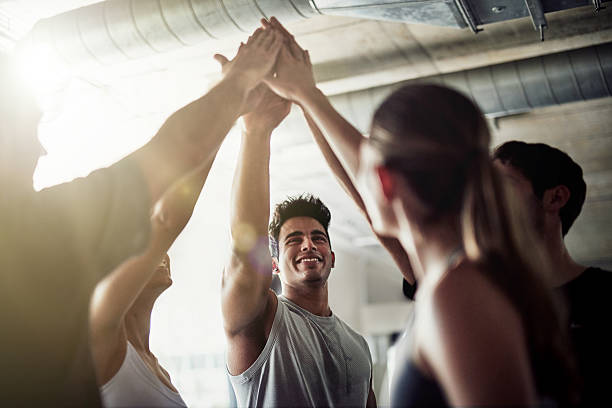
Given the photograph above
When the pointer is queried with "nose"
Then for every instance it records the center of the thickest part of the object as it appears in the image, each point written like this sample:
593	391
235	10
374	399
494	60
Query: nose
308	245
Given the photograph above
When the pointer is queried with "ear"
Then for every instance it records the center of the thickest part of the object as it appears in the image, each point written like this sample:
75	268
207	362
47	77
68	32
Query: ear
387	182
275	270
555	198
333	256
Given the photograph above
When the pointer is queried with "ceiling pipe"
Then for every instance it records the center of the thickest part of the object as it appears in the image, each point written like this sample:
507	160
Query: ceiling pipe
117	31
508	88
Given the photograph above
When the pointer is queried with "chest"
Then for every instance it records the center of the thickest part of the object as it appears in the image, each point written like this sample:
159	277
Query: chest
329	356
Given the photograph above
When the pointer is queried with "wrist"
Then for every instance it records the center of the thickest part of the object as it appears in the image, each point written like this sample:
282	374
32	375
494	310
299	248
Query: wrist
242	81
304	95
261	133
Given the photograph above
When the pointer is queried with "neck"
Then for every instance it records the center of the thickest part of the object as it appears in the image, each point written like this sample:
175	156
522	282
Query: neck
313	299
138	322
564	268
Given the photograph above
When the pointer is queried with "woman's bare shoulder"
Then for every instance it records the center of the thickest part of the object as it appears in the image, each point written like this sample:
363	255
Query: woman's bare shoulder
466	307
472	327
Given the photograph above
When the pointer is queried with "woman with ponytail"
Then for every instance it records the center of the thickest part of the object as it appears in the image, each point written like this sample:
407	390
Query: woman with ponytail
486	330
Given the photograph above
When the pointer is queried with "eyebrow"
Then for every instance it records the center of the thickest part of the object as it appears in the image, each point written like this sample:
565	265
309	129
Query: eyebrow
300	233
318	232
293	234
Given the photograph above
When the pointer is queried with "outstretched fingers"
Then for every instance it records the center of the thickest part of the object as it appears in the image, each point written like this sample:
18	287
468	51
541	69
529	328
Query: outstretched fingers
277	25
221	59
307	58
271	40
255	38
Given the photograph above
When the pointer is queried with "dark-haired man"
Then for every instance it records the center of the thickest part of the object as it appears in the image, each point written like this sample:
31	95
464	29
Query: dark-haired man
551	186
287	350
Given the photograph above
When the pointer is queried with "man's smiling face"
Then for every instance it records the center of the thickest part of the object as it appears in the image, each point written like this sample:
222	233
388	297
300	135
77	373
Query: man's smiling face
305	255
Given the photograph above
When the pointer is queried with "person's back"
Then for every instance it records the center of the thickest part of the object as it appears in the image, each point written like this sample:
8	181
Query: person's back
589	303
551	186
53	252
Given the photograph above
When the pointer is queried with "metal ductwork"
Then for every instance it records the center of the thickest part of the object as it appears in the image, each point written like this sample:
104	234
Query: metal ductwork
116	31
507	88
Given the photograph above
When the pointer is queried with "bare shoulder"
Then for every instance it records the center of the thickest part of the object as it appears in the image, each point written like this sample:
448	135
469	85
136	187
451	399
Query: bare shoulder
471	326
467	292
465	312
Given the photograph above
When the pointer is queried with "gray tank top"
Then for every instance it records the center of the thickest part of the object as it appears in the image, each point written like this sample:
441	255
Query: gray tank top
308	360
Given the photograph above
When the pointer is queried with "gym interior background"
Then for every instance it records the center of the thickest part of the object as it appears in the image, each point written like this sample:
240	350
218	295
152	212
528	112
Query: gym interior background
108	73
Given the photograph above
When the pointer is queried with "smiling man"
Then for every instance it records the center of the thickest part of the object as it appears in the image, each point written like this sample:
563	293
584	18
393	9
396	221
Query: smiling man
287	350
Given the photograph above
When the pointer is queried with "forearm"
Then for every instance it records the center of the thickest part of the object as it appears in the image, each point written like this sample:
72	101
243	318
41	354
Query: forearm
347	183
392	245
174	210
192	135
250	206
399	255
116	293
247	277
341	136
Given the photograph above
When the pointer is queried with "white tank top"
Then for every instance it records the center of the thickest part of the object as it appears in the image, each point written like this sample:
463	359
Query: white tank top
135	385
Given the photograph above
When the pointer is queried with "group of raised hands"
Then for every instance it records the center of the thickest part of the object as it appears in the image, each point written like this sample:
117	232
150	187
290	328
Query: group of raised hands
275	69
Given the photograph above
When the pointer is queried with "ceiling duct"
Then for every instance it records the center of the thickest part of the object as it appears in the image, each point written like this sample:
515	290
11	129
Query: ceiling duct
116	31
507	88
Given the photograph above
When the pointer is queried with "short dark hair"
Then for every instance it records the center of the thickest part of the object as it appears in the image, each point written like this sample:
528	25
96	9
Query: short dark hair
547	167
305	205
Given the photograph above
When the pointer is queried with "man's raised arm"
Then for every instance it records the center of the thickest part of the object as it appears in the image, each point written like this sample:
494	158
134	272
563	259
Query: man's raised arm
247	303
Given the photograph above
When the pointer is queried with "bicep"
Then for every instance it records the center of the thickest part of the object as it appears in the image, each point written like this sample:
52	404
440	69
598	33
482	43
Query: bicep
108	349
246	344
244	292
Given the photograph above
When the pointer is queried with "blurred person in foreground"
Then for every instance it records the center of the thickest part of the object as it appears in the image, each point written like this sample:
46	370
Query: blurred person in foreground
552	188
59	242
291	349
486	329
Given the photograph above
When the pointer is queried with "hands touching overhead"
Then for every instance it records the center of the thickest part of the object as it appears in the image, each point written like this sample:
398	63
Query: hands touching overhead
294	76
255	59
287	71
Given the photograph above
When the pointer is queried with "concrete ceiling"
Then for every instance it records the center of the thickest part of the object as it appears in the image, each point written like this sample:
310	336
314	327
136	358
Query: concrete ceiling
351	54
